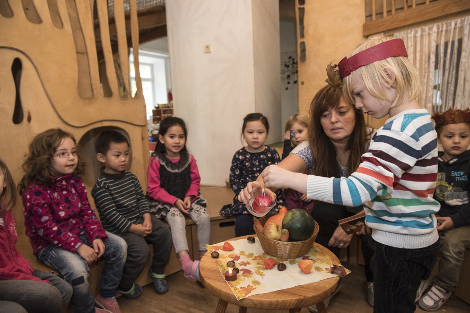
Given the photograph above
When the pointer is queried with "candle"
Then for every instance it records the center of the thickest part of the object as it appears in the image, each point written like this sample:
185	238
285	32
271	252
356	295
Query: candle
230	275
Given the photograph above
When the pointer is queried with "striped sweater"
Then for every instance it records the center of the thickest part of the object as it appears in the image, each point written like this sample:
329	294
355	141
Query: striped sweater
120	201
395	182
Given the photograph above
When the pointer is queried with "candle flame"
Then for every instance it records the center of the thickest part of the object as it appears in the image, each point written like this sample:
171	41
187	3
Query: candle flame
230	271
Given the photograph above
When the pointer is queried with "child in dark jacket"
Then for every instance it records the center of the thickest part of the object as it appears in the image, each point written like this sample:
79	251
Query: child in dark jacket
452	191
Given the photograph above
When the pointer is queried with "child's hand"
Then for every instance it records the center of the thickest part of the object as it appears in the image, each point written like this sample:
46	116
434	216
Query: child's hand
179	204
140	230
187	203
98	245
87	253
286	135
147	224
444	223
340	239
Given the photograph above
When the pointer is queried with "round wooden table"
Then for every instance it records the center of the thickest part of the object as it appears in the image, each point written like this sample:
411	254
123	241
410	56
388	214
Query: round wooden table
292	299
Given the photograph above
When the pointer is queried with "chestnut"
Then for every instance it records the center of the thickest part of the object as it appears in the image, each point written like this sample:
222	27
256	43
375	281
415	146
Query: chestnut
215	254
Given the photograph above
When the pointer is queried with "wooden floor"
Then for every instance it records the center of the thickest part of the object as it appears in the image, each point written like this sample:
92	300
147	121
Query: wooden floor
187	297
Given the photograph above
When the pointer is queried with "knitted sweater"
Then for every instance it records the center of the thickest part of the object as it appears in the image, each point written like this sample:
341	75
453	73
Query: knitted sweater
453	188
13	265
395	182
59	213
120	201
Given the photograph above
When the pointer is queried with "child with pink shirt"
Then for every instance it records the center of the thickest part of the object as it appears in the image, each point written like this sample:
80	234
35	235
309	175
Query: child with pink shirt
173	191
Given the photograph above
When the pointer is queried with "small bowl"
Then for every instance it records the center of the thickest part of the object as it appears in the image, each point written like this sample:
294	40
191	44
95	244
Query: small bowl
254	207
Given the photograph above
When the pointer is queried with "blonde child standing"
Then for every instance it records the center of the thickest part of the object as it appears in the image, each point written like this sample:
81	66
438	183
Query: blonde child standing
247	165
396	178
452	192
62	227
173	190
23	289
297	132
124	211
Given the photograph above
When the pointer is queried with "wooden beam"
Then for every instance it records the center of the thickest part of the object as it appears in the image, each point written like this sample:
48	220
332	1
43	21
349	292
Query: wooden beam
147	21
420	14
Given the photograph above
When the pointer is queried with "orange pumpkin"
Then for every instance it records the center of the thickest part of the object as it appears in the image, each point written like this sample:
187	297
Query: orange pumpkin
278	217
306	266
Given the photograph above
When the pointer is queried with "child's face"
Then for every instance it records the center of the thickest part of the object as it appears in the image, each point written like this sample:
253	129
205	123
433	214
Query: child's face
455	139
255	135
298	134
116	158
174	141
338	123
65	159
369	104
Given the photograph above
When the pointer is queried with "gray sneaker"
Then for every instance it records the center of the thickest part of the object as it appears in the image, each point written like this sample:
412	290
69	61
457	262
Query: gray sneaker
370	293
434	299
422	288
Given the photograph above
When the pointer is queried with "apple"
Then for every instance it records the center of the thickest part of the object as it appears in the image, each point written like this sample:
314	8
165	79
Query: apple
272	231
261	203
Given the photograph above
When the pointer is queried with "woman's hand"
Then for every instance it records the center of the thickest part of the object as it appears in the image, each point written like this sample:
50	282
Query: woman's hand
340	239
364	230
87	253
444	223
179	204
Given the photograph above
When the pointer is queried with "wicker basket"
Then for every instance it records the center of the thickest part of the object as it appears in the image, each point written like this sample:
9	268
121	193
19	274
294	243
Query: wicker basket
282	249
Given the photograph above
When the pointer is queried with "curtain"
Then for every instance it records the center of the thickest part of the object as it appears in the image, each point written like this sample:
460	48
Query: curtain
441	54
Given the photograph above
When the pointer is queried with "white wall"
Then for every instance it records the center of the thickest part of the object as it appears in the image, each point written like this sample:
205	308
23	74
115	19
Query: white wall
214	91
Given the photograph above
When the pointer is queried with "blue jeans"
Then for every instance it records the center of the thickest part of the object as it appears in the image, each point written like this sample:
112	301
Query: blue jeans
244	225
397	275
22	296
75	270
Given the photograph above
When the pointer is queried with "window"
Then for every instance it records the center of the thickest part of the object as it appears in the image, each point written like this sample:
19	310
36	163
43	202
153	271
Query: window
155	75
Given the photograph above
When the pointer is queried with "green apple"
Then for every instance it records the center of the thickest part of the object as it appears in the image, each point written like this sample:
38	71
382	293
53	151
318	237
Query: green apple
272	231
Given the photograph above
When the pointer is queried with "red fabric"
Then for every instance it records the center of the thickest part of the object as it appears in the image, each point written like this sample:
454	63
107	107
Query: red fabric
13	265
59	213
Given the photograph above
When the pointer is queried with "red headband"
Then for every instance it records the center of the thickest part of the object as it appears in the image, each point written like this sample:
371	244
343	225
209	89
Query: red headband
384	50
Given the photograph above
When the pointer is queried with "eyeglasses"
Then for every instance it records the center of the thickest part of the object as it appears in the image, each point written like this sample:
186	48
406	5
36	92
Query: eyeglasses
66	154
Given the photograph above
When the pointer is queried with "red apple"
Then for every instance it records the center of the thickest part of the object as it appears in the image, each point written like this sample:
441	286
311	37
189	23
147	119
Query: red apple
261	203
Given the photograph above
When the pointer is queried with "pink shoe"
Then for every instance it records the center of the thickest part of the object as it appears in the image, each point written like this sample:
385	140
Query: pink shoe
108	304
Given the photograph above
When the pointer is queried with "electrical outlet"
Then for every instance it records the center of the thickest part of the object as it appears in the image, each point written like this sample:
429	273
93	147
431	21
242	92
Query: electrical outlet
207	48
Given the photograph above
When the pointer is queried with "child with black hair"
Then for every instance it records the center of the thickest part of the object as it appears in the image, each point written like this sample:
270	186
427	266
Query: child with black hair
124	211
173	192
23	289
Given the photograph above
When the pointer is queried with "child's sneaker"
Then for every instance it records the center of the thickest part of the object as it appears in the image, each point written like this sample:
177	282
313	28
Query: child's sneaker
133	293
434	299
108	304
422	288
159	282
